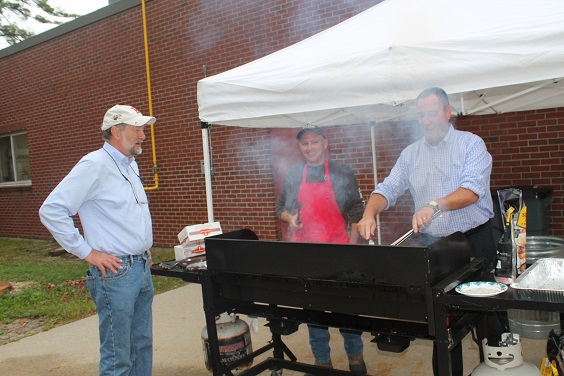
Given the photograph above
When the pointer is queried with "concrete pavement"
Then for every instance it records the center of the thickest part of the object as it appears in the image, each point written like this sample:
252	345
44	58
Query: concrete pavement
72	349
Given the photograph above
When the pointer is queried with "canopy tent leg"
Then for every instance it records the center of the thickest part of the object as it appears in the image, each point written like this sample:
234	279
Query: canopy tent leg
207	169
375	173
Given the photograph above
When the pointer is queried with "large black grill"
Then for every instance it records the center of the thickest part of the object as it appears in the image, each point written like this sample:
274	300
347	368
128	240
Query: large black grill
384	290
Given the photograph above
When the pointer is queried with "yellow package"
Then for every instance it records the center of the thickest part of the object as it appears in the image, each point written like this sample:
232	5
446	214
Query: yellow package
548	368
522	220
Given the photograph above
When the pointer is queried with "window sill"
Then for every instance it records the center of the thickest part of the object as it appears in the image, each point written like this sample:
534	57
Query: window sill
17	185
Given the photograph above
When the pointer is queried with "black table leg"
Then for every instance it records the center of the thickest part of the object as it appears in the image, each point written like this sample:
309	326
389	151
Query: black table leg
442	341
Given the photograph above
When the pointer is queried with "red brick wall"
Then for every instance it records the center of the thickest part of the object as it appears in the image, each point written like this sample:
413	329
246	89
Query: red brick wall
59	90
527	149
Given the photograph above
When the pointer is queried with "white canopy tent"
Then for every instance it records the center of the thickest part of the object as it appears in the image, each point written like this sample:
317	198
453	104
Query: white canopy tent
490	56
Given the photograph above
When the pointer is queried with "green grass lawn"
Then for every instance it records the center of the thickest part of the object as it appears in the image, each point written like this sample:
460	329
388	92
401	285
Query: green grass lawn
53	287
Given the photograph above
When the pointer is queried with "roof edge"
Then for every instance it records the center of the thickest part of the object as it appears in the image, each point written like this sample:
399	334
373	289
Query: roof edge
82	21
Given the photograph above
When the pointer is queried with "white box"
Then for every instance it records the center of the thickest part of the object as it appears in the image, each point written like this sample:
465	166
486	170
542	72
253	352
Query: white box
199	232
192	239
195	248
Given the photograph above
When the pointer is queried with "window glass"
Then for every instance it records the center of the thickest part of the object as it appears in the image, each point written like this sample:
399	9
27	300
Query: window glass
14	159
6	165
22	157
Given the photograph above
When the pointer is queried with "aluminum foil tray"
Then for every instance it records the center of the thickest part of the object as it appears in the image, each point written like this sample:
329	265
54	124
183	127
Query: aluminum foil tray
543	280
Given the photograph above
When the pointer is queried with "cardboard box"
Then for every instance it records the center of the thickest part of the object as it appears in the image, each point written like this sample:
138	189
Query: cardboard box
192	239
191	249
199	232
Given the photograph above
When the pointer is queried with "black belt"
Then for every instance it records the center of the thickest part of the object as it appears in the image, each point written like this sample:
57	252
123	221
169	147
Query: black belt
477	229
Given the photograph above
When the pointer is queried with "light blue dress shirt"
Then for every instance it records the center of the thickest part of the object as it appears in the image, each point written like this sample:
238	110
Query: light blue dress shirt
461	160
113	211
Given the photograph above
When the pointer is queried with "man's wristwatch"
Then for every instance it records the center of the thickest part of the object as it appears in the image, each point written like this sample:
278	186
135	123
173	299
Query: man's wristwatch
433	205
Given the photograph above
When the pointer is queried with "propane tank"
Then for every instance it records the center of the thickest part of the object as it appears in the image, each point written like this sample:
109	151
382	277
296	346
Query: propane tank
506	360
234	338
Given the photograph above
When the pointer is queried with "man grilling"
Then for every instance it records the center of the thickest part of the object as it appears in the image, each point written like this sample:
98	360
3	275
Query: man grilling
318	200
448	175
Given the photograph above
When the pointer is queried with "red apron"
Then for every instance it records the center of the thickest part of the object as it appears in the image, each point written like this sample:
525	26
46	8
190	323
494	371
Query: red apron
320	215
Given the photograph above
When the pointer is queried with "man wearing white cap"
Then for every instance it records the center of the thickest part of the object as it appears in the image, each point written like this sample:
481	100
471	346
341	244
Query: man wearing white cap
106	191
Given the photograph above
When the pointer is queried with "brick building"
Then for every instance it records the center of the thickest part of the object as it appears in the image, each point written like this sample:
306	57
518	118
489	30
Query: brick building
58	85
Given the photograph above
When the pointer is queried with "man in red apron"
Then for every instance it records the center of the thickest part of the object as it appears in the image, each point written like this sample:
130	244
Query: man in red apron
318	199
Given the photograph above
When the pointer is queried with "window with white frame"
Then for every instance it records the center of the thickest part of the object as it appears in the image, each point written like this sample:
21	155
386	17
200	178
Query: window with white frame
14	159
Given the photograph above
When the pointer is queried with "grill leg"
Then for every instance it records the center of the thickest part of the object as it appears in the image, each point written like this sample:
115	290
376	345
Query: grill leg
280	348
442	341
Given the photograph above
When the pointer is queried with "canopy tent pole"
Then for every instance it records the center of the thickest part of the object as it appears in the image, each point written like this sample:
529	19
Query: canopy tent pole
207	169
375	173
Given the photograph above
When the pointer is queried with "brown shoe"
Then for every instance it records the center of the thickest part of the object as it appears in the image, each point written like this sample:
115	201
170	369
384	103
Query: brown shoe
357	365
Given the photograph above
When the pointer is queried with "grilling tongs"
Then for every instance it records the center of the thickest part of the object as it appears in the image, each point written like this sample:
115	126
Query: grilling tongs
410	232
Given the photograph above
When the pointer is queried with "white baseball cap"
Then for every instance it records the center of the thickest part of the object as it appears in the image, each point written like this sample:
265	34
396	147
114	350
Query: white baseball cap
125	115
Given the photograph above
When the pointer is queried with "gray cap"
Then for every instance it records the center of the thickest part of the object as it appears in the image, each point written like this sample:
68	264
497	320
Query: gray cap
312	128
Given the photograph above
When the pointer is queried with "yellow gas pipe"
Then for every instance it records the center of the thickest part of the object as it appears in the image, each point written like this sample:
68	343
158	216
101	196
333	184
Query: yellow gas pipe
156	174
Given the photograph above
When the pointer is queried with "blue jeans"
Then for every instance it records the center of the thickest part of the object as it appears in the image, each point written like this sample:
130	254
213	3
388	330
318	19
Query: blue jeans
124	304
319	342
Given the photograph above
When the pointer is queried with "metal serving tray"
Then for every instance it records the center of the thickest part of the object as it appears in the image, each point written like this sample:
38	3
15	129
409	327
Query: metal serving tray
544	280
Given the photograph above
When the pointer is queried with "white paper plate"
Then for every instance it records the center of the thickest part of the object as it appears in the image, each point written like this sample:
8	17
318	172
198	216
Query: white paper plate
481	288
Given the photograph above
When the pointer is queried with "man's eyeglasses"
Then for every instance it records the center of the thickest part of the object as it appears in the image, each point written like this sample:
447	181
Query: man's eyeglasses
129	181
133	188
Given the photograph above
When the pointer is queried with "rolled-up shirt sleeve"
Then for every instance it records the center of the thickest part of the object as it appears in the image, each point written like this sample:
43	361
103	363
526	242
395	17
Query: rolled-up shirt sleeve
477	168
